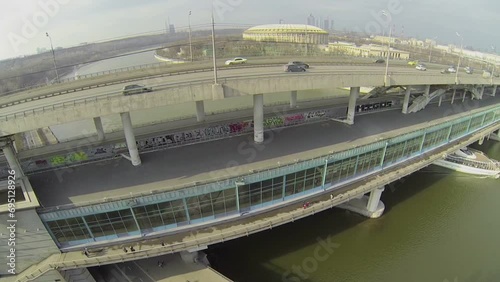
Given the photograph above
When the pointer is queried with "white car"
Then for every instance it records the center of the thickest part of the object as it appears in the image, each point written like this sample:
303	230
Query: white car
235	61
421	67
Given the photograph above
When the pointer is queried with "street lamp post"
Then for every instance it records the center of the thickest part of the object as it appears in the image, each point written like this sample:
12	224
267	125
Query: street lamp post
213	45
53	56
190	43
388	53
460	56
430	47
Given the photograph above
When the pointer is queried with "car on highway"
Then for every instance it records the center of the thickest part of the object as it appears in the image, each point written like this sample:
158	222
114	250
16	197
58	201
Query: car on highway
450	69
413	63
380	61
236	61
136	89
293	68
298	63
468	70
421	67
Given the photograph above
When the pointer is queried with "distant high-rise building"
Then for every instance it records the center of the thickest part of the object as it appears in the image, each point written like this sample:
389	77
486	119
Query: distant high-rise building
171	29
331	24
326	25
310	20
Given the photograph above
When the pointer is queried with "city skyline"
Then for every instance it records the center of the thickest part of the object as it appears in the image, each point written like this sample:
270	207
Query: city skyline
24	23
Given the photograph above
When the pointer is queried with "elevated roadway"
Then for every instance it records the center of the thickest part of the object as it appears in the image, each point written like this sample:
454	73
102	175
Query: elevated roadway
196	87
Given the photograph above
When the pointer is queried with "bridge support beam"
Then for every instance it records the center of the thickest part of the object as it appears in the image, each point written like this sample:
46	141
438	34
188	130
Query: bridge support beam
463	95
494	91
481	93
10	155
258	118
352	104
200	111
293	99
130	138
406	100
369	206
453	96
99	128
427	90
440	100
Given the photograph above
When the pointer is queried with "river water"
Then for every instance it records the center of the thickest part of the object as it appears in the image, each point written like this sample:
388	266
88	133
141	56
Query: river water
438	226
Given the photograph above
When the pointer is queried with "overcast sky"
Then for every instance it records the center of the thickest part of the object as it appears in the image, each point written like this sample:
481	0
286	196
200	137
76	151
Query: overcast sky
23	23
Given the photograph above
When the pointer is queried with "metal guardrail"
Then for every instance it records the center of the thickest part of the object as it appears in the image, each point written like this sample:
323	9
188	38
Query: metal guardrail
166	85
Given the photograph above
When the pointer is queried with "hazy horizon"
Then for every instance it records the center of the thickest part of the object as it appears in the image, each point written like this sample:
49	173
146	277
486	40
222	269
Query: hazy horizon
71	22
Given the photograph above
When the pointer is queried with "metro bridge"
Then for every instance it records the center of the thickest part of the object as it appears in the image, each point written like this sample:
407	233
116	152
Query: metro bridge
193	196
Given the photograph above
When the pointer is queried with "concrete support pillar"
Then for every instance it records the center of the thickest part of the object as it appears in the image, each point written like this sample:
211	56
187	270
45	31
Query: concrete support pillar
200	111
427	90
351	110
99	128
130	138
494	90
440	100
374	199
498	133
258	118
406	100
481	93
10	155
453	96
293	99
463	95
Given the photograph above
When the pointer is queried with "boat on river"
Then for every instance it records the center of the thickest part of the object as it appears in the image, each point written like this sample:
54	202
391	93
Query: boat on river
472	162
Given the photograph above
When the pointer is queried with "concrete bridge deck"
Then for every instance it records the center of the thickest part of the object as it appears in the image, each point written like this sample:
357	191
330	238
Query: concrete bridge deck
203	162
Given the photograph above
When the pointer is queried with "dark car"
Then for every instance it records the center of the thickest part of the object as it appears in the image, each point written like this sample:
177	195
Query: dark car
380	61
302	64
294	68
136	89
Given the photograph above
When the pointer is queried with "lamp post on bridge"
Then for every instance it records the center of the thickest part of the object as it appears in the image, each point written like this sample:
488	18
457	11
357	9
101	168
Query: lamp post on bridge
213	45
430	47
53	56
388	49
460	56
190	42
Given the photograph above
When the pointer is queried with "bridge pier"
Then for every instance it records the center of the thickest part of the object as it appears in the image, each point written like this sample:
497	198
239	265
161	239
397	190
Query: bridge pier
369	206
494	91
453	96
258	118
200	111
10	155
427	90
353	96
440	100
99	128
293	99
481	93
406	100
463	95
130	138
